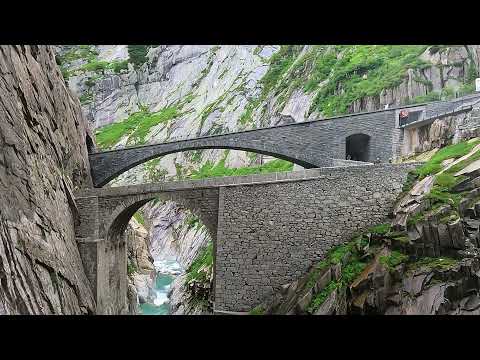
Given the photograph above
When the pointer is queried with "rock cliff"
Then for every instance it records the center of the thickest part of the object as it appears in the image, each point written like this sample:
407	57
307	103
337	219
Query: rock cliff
43	159
140	268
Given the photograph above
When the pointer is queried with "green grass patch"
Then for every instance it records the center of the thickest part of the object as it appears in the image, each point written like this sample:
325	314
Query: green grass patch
203	260
86	97
448	152
350	270
464	163
139	217
131	268
364	71
138	54
210	170
440	263
380	229
193	221
338	253
136	127
280	62
323	295
393	260
119	66
257	310
95	66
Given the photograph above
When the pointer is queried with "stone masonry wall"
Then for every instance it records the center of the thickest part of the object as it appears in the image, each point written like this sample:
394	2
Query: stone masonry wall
270	234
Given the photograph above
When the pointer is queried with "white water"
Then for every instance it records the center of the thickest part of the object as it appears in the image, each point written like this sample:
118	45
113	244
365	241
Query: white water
167	270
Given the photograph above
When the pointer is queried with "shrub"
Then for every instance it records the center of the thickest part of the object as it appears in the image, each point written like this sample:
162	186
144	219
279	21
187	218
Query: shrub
138	54
119	66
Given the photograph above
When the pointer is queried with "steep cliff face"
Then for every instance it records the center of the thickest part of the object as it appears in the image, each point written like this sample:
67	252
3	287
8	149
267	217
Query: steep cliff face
147	94
43	158
140	268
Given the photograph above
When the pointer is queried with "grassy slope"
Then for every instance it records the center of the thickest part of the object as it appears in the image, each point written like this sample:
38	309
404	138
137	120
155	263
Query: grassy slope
339	75
135	127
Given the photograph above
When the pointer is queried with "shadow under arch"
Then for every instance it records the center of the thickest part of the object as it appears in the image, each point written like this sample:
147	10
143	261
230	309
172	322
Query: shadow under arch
357	147
91	148
119	217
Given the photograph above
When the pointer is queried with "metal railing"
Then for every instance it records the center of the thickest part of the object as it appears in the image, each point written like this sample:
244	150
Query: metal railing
458	106
411	118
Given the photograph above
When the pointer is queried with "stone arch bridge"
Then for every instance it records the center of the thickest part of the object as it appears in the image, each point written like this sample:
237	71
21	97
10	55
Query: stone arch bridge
311	144
374	136
267	230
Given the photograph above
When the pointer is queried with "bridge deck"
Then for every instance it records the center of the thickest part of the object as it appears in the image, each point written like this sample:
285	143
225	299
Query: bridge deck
215	182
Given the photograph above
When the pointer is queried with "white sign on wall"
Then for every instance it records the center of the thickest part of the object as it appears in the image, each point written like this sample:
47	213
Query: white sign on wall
477	84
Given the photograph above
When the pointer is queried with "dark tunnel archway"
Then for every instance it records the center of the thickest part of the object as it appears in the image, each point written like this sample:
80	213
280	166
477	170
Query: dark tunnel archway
357	147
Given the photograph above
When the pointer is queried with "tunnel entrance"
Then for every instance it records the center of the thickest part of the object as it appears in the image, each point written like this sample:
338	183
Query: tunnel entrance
358	147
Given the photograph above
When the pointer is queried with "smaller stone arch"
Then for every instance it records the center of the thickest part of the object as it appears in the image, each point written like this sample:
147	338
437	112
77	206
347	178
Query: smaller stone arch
357	147
106	256
118	212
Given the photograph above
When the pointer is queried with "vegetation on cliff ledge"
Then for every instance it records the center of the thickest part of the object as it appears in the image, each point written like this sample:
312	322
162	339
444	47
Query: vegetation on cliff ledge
335	75
365	71
138	54
201	267
136	127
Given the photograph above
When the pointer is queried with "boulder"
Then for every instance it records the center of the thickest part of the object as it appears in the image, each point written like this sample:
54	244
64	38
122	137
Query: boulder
472	168
302	304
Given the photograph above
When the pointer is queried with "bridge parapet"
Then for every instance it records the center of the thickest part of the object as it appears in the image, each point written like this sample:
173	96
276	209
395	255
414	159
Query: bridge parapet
216	182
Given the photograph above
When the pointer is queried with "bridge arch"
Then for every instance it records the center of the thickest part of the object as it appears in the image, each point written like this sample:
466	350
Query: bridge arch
103	243
108	165
201	203
357	147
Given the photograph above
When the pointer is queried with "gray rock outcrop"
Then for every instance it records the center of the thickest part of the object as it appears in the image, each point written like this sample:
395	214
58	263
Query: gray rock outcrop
43	158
